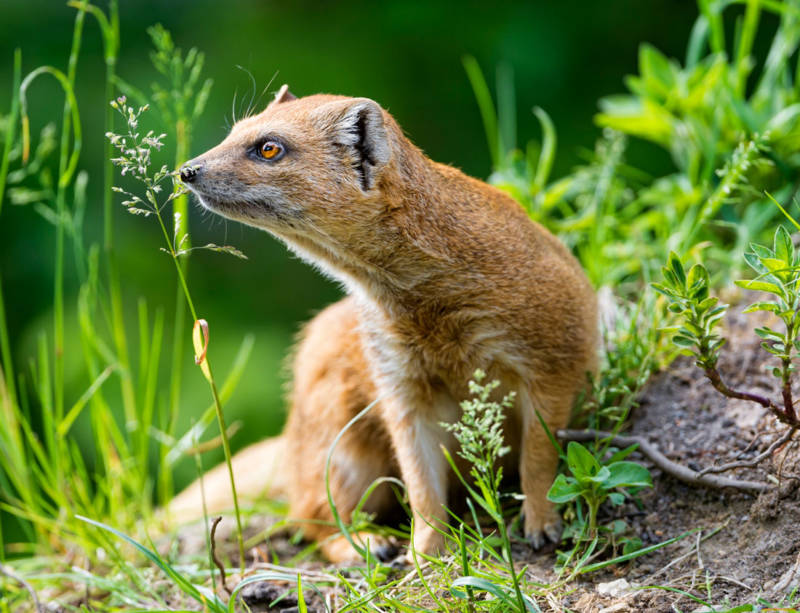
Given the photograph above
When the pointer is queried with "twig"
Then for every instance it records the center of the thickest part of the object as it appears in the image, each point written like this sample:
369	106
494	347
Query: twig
680	472
217	563
761	456
700	564
734	581
5	570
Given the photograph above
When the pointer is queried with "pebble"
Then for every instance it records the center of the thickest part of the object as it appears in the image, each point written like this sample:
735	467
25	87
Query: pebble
615	589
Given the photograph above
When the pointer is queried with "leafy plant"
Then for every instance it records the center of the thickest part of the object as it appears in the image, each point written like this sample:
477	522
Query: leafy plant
480	437
778	270
594	483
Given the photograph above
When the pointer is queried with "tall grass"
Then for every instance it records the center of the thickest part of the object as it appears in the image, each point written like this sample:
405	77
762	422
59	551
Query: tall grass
44	474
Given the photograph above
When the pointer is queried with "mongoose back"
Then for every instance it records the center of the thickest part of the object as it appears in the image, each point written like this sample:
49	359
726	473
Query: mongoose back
444	275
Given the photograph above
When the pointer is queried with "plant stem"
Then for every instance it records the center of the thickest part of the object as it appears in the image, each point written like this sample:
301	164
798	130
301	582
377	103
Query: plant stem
494	488
179	207
5	345
217	403
782	415
61	211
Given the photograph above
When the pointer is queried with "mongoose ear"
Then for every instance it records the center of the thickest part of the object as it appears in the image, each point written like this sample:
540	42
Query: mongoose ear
357	124
283	95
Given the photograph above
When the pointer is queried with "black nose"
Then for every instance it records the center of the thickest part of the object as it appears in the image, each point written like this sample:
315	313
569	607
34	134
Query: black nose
189	171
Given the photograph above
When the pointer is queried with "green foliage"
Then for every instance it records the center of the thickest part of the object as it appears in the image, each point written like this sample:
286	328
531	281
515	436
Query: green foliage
727	143
480	430
184	99
479	434
135	159
47	474
631	344
594	483
778	270
688	296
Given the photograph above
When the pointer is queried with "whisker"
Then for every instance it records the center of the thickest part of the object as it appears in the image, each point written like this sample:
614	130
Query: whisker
233	105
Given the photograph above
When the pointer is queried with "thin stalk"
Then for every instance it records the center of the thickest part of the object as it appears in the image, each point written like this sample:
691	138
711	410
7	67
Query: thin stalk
11	128
5	345
501	525
746	39
112	46
713	14
61	211
217	403
110	28
180	207
786	375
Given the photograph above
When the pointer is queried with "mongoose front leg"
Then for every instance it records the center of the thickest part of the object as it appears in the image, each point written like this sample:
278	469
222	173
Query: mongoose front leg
417	439
539	462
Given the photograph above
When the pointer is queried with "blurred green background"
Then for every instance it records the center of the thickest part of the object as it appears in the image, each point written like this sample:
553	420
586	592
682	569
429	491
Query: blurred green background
404	54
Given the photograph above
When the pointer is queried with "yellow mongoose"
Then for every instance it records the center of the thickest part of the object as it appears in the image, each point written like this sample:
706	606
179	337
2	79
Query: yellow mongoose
445	274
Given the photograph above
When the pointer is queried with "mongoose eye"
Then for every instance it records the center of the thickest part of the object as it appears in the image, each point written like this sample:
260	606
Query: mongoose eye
270	150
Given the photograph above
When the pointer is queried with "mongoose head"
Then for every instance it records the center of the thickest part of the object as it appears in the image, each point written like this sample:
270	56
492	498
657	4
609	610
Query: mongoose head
306	169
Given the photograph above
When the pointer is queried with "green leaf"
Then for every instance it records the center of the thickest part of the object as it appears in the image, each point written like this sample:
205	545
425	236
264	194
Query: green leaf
662	289
755	263
616	498
705	304
770	349
675	265
627	474
762	306
635	554
479	583
563	490
580	461
683	341
759	286
783	247
601	475
656	71
622	453
698	275
766	333
632	545
194	591
774	264
761	251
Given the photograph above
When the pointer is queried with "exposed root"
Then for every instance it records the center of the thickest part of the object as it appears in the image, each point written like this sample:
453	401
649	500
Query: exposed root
787	436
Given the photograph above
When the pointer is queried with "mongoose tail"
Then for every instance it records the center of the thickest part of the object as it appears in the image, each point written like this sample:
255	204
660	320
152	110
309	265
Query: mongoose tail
258	475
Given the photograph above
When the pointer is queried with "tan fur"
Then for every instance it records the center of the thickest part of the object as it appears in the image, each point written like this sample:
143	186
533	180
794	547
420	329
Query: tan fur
445	274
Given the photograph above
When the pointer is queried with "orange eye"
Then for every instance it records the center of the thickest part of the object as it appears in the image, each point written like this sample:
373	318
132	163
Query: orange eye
270	150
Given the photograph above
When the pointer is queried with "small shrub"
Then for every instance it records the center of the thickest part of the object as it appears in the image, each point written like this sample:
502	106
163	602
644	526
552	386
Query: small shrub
778	270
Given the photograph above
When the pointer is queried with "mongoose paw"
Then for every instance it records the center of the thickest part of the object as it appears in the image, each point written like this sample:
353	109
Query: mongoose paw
340	551
401	562
539	533
386	551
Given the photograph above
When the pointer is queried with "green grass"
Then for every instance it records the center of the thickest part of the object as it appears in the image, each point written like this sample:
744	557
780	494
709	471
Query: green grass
730	127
